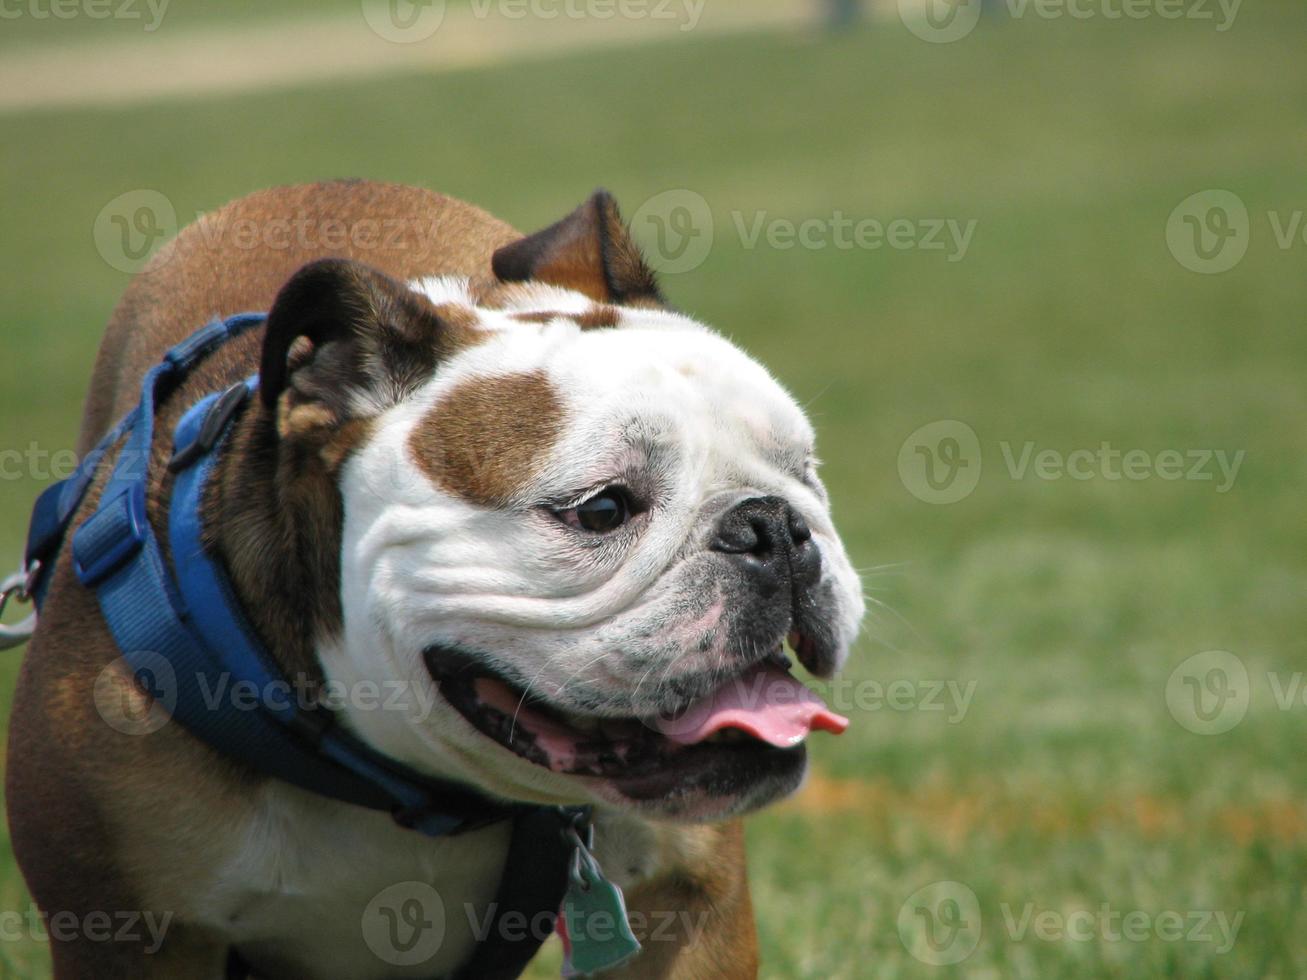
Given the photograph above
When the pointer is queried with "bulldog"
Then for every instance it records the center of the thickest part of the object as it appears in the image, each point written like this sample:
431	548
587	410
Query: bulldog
569	539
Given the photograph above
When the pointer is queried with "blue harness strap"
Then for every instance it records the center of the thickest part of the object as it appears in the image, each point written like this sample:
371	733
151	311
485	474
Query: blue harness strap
189	636
180	626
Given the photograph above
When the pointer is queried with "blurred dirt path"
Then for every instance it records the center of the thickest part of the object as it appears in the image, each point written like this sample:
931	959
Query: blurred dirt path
187	62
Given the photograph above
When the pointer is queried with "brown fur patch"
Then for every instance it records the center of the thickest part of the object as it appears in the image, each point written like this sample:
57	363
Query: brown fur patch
598	318
595	318
487	438
536	316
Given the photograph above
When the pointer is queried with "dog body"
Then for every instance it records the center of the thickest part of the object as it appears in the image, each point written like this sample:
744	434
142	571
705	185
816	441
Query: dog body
493	495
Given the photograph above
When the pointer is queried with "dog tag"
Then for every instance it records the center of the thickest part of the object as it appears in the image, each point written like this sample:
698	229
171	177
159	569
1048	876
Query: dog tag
597	935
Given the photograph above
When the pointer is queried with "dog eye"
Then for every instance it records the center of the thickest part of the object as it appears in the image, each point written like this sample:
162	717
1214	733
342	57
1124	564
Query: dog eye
606	511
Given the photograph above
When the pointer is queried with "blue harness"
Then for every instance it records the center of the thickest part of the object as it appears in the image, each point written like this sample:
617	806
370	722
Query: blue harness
187	640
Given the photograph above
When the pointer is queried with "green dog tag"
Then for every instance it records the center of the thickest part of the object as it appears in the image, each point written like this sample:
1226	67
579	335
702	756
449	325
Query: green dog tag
598	935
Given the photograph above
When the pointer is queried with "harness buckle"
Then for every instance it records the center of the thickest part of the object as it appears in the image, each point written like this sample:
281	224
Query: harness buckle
111	536
211	429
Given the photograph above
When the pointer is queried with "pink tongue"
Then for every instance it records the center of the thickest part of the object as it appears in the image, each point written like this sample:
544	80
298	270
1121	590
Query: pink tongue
767	703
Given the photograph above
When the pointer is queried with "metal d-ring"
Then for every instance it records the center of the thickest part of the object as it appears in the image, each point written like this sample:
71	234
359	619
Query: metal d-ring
583	861
19	588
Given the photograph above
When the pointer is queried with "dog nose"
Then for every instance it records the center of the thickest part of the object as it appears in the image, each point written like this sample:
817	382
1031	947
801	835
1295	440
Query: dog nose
771	538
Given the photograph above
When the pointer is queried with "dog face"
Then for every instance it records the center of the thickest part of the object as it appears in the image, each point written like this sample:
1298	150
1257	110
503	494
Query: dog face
585	530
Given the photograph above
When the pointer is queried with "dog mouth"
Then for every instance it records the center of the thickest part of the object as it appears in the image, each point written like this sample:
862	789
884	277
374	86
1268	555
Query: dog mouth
749	727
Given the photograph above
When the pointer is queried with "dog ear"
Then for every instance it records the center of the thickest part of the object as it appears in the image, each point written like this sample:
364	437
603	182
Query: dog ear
347	341
589	251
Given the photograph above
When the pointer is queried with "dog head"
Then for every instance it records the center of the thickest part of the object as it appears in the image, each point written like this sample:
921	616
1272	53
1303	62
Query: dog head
581	527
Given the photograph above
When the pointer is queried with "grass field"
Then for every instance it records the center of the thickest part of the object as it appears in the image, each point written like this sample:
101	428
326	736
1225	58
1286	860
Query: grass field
1067	782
